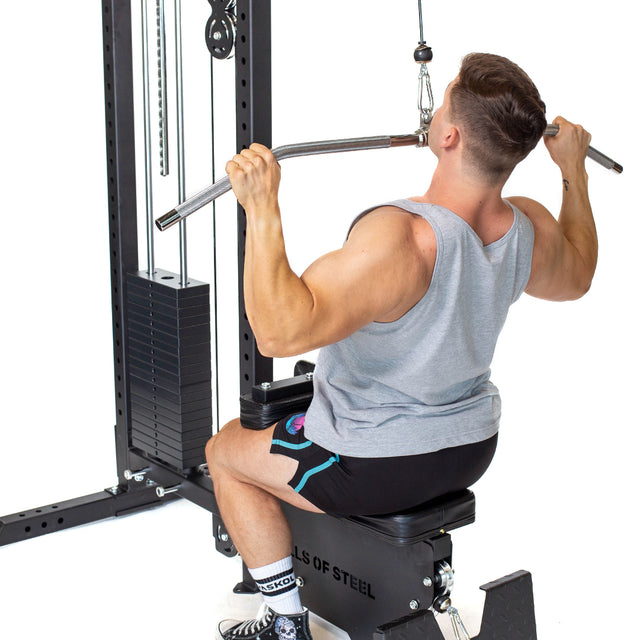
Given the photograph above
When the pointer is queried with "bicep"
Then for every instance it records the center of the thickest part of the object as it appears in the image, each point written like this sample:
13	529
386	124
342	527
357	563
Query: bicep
556	265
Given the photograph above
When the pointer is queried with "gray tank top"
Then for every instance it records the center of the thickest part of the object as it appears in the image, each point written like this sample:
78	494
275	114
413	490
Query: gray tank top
421	383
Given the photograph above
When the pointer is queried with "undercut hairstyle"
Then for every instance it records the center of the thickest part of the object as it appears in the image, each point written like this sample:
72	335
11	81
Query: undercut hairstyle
499	111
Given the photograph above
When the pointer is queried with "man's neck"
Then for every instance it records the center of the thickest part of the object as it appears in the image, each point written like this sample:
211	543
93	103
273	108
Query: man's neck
462	192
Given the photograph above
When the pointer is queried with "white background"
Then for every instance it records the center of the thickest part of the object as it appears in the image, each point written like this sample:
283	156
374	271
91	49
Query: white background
560	497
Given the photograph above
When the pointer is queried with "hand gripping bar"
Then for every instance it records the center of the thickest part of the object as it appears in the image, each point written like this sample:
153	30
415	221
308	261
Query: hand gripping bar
594	154
418	139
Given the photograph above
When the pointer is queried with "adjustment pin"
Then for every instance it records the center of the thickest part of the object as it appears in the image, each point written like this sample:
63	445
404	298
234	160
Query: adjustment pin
161	492
138	476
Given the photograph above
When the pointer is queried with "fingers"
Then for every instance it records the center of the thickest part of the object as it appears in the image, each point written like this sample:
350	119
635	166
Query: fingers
254	174
255	156
260	149
569	146
563	123
231	167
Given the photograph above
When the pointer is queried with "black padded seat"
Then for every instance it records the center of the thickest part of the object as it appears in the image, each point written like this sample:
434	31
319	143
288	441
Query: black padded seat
424	522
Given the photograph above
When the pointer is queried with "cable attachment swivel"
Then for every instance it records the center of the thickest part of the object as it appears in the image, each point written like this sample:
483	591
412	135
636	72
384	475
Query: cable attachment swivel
424	87
459	630
444	579
423	55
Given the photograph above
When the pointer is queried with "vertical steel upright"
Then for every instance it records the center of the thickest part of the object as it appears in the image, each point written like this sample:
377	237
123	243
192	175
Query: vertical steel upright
253	124
121	176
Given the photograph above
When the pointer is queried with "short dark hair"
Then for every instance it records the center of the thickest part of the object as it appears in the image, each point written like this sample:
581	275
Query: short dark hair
500	112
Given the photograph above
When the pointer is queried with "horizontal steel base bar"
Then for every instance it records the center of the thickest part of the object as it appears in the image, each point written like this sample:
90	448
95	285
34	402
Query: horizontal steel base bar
72	513
113	502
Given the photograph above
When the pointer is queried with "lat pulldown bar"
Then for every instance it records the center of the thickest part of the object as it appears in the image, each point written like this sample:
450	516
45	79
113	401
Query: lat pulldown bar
419	139
290	151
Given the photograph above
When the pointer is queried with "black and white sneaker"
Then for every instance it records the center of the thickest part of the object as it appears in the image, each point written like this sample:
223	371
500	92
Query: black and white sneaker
269	625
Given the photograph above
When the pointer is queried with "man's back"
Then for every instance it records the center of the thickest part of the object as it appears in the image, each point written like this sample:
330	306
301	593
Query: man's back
421	383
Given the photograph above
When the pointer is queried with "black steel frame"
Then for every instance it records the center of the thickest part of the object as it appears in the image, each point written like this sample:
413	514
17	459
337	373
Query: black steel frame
253	109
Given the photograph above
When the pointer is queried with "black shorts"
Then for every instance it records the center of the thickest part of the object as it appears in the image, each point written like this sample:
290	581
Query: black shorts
370	486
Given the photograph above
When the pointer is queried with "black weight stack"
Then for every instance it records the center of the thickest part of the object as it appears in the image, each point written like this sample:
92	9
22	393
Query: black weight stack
169	329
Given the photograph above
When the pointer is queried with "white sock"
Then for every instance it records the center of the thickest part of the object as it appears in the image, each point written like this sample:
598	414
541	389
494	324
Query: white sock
277	583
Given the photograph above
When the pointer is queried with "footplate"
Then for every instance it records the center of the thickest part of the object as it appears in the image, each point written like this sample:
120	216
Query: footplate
508	609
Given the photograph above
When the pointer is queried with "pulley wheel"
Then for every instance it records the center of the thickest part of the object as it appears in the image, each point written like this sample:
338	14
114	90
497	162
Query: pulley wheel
220	35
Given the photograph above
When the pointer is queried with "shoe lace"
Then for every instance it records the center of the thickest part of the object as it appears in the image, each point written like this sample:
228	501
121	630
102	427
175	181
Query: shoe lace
265	616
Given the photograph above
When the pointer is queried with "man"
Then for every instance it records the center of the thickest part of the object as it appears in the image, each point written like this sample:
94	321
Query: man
407	314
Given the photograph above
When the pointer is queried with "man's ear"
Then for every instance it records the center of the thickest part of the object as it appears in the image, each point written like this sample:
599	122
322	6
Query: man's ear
451	138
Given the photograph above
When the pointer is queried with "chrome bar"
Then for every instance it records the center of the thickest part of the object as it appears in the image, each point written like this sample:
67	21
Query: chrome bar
223	185
215	252
147	135
594	154
184	279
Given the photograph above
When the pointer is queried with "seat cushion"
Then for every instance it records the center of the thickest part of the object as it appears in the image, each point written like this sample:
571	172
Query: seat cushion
423	522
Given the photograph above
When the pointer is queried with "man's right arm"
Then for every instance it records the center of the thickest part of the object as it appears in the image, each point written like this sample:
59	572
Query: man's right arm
565	251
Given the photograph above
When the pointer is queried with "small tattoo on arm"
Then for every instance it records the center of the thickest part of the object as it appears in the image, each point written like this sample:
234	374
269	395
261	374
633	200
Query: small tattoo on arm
565	182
